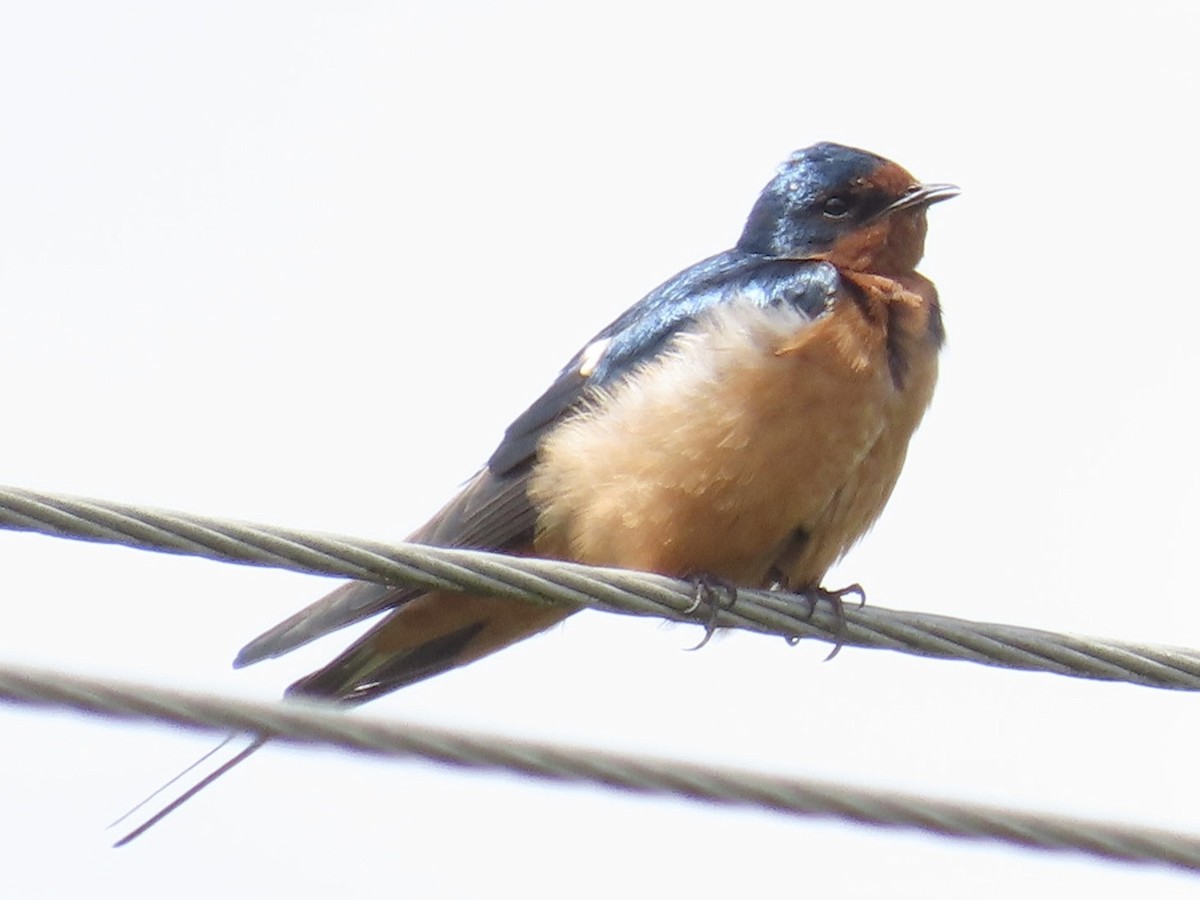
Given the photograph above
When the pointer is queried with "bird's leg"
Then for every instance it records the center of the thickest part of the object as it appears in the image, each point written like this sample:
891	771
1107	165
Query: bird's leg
814	595
711	590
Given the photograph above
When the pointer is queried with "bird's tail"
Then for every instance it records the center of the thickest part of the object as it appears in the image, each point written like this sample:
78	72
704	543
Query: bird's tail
199	775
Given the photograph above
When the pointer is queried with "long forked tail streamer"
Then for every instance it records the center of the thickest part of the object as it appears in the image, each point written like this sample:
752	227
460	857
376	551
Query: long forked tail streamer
180	798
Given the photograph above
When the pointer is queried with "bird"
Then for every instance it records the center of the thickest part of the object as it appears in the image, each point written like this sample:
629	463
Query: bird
744	422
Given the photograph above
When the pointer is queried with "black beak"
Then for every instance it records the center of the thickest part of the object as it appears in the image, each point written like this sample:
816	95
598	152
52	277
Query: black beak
924	195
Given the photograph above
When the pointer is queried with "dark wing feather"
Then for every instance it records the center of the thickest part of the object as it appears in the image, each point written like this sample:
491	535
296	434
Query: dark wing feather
489	512
493	510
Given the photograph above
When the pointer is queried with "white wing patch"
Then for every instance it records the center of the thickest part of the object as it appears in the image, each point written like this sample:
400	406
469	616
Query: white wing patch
591	356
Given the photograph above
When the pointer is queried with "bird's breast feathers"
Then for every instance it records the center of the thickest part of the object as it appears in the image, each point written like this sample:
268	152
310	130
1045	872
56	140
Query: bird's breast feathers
759	442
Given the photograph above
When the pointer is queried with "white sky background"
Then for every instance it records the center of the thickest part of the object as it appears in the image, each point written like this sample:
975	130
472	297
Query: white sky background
301	263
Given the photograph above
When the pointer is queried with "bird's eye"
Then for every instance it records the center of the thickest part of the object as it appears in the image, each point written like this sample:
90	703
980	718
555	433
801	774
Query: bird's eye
836	207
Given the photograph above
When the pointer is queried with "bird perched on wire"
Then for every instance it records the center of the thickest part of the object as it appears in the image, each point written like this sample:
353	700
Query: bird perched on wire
745	421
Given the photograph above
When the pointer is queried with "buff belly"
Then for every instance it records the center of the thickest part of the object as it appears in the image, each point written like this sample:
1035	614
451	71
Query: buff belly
759	444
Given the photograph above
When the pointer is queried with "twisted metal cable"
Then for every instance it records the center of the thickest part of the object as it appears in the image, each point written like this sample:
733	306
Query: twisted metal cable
615	590
313	724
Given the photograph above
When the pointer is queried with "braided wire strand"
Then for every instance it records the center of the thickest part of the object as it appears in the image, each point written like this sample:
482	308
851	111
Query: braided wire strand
311	724
618	590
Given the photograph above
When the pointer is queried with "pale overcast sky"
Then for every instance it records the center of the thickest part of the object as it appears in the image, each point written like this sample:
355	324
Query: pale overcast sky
300	263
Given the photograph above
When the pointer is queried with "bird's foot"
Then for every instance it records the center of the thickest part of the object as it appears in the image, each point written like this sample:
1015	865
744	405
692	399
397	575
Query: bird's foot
718	595
813	596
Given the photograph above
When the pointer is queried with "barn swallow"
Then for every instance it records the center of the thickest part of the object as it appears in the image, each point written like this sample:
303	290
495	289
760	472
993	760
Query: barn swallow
745	421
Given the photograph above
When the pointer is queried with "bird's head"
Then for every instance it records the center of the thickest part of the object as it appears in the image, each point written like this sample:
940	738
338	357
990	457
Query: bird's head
850	207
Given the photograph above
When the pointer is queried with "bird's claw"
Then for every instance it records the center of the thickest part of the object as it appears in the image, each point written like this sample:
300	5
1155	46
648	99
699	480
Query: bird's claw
837	598
709	590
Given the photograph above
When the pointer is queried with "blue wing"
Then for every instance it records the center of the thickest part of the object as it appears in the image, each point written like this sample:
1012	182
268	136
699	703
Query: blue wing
643	330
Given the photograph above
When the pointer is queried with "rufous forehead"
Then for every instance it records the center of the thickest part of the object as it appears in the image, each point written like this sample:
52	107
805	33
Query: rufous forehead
891	179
